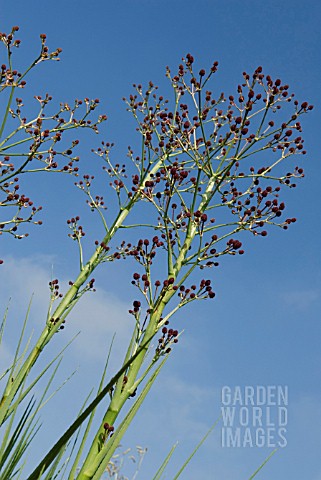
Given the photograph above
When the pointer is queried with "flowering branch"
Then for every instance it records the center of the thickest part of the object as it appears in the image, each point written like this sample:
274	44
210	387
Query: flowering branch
199	183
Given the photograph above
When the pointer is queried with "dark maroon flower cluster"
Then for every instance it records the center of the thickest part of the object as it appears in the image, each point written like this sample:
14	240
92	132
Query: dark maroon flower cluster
9	77
108	432
18	203
233	246
136	307
54	289
86	182
169	337
77	230
145	250
55	321
43	136
204	290
108	427
173	130
97	202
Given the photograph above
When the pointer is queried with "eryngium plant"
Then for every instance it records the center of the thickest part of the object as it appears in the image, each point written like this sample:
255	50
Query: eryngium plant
35	144
209	170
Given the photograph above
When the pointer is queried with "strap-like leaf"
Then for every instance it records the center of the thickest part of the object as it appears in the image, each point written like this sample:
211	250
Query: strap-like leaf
161	469
195	450
106	453
261	466
63	440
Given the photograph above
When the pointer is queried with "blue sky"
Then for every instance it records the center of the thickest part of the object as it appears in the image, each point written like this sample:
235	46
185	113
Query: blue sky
264	326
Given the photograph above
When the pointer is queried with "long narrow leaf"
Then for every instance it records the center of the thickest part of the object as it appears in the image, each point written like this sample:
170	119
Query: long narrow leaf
41	374
10	389
72	473
161	469
106	453
8	431
11	443
22	333
3	323
54	451
195	450
25	430
261	466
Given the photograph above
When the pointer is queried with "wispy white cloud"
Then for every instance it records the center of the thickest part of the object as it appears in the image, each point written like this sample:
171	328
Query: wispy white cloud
184	399
178	408
183	410
98	315
300	299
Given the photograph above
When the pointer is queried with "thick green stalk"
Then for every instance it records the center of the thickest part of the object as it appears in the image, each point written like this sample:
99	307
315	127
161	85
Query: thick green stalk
63	440
97	469
119	400
64	305
70	298
49	331
152	326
